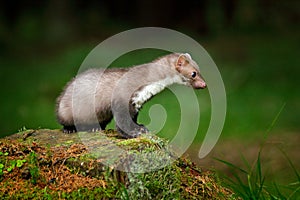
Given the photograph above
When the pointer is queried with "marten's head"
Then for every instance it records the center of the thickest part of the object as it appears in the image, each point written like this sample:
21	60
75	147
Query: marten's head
189	71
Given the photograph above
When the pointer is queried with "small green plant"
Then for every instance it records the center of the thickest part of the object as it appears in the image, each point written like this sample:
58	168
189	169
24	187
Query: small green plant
1	169
33	167
3	154
1	163
20	163
22	129
15	163
12	164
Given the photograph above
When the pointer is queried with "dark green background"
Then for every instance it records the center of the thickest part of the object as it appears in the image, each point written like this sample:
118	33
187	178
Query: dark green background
255	45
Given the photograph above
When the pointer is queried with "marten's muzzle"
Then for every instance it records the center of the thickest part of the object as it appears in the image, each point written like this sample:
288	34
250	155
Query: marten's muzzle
198	83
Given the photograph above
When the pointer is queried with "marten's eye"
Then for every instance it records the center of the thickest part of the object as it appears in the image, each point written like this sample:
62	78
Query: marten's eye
194	74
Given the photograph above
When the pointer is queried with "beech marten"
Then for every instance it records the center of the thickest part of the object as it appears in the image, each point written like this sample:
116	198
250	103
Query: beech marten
93	98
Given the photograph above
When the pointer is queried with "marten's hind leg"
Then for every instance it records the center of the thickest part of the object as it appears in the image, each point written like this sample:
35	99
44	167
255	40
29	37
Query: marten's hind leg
88	127
69	129
84	127
93	127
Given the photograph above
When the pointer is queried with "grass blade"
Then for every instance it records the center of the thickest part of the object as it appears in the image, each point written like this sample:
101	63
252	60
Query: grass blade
273	123
279	194
245	161
231	165
291	164
261	179
294	193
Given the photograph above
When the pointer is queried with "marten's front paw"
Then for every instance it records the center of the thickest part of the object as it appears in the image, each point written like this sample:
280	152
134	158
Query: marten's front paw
138	131
141	129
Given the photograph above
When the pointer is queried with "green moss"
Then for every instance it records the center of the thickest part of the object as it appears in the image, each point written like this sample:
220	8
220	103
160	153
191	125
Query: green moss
58	166
84	193
160	184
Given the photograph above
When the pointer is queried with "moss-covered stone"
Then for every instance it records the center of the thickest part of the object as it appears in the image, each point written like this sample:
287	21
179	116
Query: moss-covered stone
99	166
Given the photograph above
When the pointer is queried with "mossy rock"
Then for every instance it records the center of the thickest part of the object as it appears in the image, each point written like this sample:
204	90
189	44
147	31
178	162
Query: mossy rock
49	164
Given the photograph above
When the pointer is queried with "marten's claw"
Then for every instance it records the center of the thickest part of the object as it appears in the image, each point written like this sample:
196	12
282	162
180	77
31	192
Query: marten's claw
139	131
136	132
69	129
143	129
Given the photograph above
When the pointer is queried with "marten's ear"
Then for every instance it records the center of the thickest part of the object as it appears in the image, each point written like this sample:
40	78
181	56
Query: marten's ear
182	61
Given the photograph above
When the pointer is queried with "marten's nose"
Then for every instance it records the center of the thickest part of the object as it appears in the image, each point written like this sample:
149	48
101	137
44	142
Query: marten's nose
199	84
203	85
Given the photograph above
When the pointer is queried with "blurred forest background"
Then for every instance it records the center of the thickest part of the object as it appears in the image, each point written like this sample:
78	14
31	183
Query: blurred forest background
255	44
